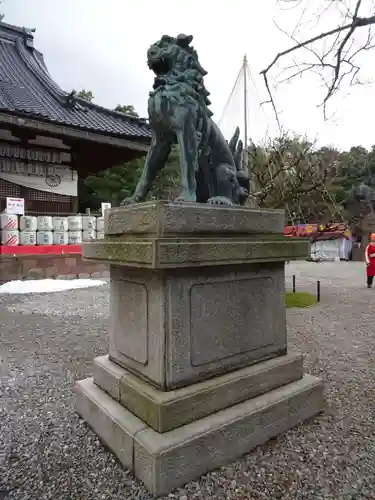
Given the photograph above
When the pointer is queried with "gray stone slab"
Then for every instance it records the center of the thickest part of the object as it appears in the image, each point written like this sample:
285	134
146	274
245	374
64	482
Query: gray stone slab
106	418
107	376
177	328
162	217
167	461
169	253
166	410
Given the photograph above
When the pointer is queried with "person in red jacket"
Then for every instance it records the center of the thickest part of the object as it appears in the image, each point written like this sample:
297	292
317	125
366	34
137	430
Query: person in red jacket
370	260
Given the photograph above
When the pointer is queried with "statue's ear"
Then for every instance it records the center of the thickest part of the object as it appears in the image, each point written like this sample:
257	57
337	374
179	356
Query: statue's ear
184	40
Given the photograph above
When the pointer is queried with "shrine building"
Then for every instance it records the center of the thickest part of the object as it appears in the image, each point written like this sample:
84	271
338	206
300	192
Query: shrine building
49	137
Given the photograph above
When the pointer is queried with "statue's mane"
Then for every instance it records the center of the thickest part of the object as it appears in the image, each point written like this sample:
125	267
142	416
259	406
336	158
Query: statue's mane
189	67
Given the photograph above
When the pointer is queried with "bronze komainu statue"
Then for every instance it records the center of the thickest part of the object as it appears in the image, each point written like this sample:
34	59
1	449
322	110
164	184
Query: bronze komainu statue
178	113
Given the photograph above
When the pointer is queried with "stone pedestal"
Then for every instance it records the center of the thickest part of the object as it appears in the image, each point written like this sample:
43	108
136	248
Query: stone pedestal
198	371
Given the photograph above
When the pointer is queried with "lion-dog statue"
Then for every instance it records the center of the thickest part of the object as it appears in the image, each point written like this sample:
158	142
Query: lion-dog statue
210	168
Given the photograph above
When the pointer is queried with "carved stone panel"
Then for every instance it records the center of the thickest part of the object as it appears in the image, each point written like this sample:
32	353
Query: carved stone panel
220	319
137	319
130	332
228	318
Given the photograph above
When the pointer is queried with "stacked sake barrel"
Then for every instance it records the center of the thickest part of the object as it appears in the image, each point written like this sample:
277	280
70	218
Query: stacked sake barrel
9	230
47	230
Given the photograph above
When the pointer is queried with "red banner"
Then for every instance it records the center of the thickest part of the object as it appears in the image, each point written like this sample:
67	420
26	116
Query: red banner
319	230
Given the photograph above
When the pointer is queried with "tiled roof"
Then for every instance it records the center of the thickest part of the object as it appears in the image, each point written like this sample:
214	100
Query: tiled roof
27	89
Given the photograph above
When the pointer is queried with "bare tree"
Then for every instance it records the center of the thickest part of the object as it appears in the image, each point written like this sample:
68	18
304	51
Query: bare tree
290	173
334	54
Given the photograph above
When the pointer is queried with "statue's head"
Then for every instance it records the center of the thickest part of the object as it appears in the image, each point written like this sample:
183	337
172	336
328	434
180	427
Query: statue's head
164	54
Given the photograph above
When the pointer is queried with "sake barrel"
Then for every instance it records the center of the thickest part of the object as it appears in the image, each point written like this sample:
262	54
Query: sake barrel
44	237
28	223
88	235
60	224
28	237
100	235
100	224
60	238
10	237
88	222
45	223
75	223
74	237
8	221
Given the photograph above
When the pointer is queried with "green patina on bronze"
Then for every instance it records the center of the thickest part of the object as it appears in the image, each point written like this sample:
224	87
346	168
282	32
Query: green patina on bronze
179	113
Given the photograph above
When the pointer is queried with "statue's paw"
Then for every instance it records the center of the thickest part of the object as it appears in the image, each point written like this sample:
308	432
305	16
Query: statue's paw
130	201
220	200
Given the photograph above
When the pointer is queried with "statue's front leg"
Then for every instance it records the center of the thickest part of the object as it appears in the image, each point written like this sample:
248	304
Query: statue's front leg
187	140
156	159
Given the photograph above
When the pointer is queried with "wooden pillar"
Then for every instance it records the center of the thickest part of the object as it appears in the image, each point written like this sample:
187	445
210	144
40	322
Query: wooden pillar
74	205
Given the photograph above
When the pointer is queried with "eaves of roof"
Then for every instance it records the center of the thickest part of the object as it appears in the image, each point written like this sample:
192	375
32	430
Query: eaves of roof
27	89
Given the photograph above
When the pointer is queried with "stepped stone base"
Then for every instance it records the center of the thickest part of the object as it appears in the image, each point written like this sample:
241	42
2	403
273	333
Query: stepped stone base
198	372
166	410
169	460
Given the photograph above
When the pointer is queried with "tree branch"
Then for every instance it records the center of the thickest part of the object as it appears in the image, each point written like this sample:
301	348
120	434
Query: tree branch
339	49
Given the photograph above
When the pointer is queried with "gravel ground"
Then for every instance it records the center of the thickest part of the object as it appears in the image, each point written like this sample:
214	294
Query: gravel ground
47	452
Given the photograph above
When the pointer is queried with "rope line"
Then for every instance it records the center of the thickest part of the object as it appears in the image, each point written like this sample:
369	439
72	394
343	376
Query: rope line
236	96
230	96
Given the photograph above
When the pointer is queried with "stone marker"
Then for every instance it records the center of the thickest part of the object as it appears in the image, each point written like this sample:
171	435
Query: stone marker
198	371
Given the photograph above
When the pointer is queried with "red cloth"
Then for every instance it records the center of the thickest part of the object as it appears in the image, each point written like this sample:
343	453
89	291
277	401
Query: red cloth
370	259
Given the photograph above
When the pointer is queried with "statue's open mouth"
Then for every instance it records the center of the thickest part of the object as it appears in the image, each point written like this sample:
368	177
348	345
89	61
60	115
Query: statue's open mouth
158	66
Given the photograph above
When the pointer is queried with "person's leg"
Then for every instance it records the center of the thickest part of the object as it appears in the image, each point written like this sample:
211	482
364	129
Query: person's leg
370	280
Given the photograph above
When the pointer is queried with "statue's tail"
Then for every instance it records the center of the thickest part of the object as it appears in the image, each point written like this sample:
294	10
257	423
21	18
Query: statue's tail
233	142
236	148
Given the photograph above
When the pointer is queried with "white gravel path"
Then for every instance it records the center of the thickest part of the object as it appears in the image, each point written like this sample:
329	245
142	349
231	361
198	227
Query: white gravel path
47	452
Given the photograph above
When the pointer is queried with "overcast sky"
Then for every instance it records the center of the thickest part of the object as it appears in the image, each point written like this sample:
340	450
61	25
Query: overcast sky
101	45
